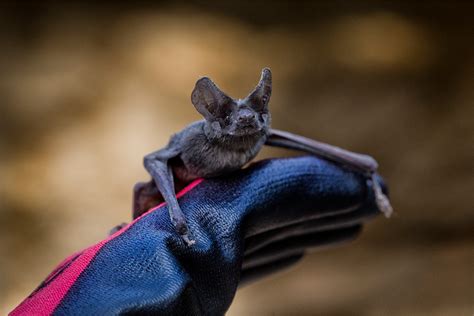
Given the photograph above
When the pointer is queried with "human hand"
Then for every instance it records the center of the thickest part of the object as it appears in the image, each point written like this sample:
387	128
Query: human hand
246	225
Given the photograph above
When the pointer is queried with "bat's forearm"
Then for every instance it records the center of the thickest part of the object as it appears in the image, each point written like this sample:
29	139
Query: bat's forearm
360	162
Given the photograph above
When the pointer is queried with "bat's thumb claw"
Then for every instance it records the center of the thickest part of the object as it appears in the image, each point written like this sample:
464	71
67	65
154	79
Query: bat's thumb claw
188	241
382	201
383	204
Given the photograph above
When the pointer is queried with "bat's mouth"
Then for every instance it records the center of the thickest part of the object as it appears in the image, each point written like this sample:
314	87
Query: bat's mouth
248	125
248	129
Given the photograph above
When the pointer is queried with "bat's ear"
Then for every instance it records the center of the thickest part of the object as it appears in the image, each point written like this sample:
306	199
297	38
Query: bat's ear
209	100
260	96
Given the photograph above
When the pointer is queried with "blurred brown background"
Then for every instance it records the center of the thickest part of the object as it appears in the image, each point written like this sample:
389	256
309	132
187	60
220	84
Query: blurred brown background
86	90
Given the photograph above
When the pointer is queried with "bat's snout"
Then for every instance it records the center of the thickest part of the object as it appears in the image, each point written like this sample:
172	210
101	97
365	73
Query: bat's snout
246	117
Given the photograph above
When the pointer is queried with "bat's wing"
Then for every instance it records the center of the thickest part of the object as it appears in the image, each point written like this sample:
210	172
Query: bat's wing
359	162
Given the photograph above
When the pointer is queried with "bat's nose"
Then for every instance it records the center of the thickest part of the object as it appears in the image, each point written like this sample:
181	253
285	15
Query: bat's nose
246	116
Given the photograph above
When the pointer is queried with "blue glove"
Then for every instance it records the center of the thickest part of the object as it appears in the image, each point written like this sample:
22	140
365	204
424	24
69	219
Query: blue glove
247	225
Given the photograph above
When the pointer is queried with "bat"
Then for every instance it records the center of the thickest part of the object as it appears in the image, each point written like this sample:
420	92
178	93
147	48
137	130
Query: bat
231	134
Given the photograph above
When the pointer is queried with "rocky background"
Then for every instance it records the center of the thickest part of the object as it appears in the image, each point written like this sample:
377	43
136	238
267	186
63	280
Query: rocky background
87	89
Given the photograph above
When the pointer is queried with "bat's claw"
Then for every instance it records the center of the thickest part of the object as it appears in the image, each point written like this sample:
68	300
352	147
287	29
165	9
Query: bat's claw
182	229
382	201
188	241
383	204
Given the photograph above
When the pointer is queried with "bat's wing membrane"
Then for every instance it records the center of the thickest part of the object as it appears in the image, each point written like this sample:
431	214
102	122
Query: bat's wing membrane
359	162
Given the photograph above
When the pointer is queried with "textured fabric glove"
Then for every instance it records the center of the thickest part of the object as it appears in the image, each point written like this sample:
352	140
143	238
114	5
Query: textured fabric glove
246	225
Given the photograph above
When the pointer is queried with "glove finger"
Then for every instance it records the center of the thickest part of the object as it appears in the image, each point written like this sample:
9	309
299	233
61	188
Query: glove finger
329	222
290	246
288	193
250	275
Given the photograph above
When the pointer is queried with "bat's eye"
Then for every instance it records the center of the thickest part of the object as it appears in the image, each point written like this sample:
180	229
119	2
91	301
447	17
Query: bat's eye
264	99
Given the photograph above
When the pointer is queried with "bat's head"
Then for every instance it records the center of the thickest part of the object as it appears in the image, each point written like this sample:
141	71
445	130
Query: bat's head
227	116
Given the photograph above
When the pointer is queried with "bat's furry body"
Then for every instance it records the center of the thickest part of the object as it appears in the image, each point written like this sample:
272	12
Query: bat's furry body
204	156
230	136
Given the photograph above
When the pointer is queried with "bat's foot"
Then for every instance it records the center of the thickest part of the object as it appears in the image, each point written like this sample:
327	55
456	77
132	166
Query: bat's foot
382	201
117	228
145	197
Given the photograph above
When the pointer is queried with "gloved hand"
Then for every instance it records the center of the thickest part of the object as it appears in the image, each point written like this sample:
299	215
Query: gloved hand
246	225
